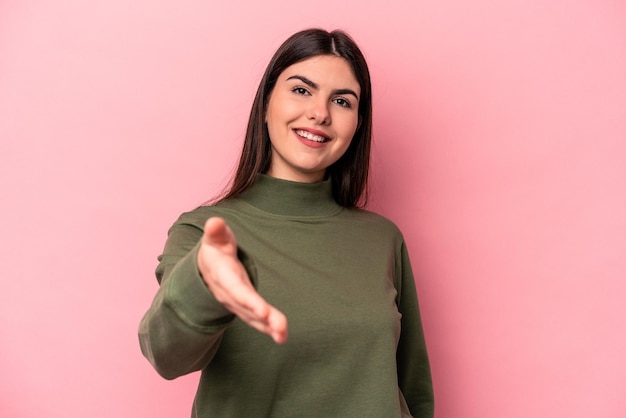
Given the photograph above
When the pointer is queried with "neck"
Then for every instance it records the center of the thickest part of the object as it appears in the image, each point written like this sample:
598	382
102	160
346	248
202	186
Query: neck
285	197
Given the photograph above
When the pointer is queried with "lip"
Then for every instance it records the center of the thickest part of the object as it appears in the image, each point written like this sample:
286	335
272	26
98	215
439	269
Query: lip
313	131
309	143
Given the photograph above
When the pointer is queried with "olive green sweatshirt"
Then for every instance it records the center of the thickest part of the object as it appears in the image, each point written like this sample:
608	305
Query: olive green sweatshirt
343	279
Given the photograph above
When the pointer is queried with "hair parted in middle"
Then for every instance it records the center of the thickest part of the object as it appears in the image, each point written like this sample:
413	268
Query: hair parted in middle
349	174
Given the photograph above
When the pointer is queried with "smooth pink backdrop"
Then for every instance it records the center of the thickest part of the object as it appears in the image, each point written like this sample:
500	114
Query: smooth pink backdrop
500	133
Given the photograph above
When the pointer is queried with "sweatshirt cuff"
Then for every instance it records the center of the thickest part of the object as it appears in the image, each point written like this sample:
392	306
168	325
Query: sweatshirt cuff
190	297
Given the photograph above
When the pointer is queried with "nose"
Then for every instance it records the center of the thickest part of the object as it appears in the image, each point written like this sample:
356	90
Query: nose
318	112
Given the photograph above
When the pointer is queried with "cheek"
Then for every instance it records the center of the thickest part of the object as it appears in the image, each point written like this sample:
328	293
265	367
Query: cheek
278	116
350	126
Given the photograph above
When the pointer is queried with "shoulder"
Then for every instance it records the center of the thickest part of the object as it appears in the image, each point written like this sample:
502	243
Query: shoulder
378	223
198	216
372	217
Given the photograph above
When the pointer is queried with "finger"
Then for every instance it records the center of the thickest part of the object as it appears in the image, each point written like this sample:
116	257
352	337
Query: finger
277	331
247	302
217	232
263	317
274	325
277	322
241	295
259	326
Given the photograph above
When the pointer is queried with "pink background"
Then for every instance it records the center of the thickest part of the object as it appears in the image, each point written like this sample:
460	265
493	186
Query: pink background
500	133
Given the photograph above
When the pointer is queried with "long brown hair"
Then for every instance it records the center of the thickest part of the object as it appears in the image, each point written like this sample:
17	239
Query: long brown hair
349	174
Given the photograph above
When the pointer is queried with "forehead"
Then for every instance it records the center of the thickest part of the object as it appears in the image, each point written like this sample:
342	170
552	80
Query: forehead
326	70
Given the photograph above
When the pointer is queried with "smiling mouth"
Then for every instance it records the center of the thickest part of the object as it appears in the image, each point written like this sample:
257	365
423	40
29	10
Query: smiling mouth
310	136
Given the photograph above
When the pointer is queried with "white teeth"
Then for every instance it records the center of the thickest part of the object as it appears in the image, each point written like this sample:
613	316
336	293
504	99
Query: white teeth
309	135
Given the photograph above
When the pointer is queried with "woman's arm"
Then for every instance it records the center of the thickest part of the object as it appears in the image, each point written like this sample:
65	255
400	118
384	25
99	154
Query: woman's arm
205	280
414	376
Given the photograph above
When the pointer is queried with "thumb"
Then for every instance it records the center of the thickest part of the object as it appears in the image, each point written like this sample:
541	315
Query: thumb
218	234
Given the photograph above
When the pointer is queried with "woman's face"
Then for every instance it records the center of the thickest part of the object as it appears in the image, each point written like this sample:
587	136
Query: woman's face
311	117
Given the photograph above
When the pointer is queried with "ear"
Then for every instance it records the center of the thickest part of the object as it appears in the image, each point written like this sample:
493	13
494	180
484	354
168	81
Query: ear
358	125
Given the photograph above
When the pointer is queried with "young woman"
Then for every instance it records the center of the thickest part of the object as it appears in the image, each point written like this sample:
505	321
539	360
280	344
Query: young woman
289	248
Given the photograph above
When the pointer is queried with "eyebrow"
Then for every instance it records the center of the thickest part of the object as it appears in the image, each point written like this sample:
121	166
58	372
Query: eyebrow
316	86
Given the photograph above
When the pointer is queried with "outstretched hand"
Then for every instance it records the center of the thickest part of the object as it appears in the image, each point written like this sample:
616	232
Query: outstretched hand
227	278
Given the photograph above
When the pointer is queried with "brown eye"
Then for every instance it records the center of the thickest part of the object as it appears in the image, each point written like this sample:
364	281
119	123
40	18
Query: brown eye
300	90
342	102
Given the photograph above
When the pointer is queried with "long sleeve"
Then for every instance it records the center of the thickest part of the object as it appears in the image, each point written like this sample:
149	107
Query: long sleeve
343	279
414	376
182	330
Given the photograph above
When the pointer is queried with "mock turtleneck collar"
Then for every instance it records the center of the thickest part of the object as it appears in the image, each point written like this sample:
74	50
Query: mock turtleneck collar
290	198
